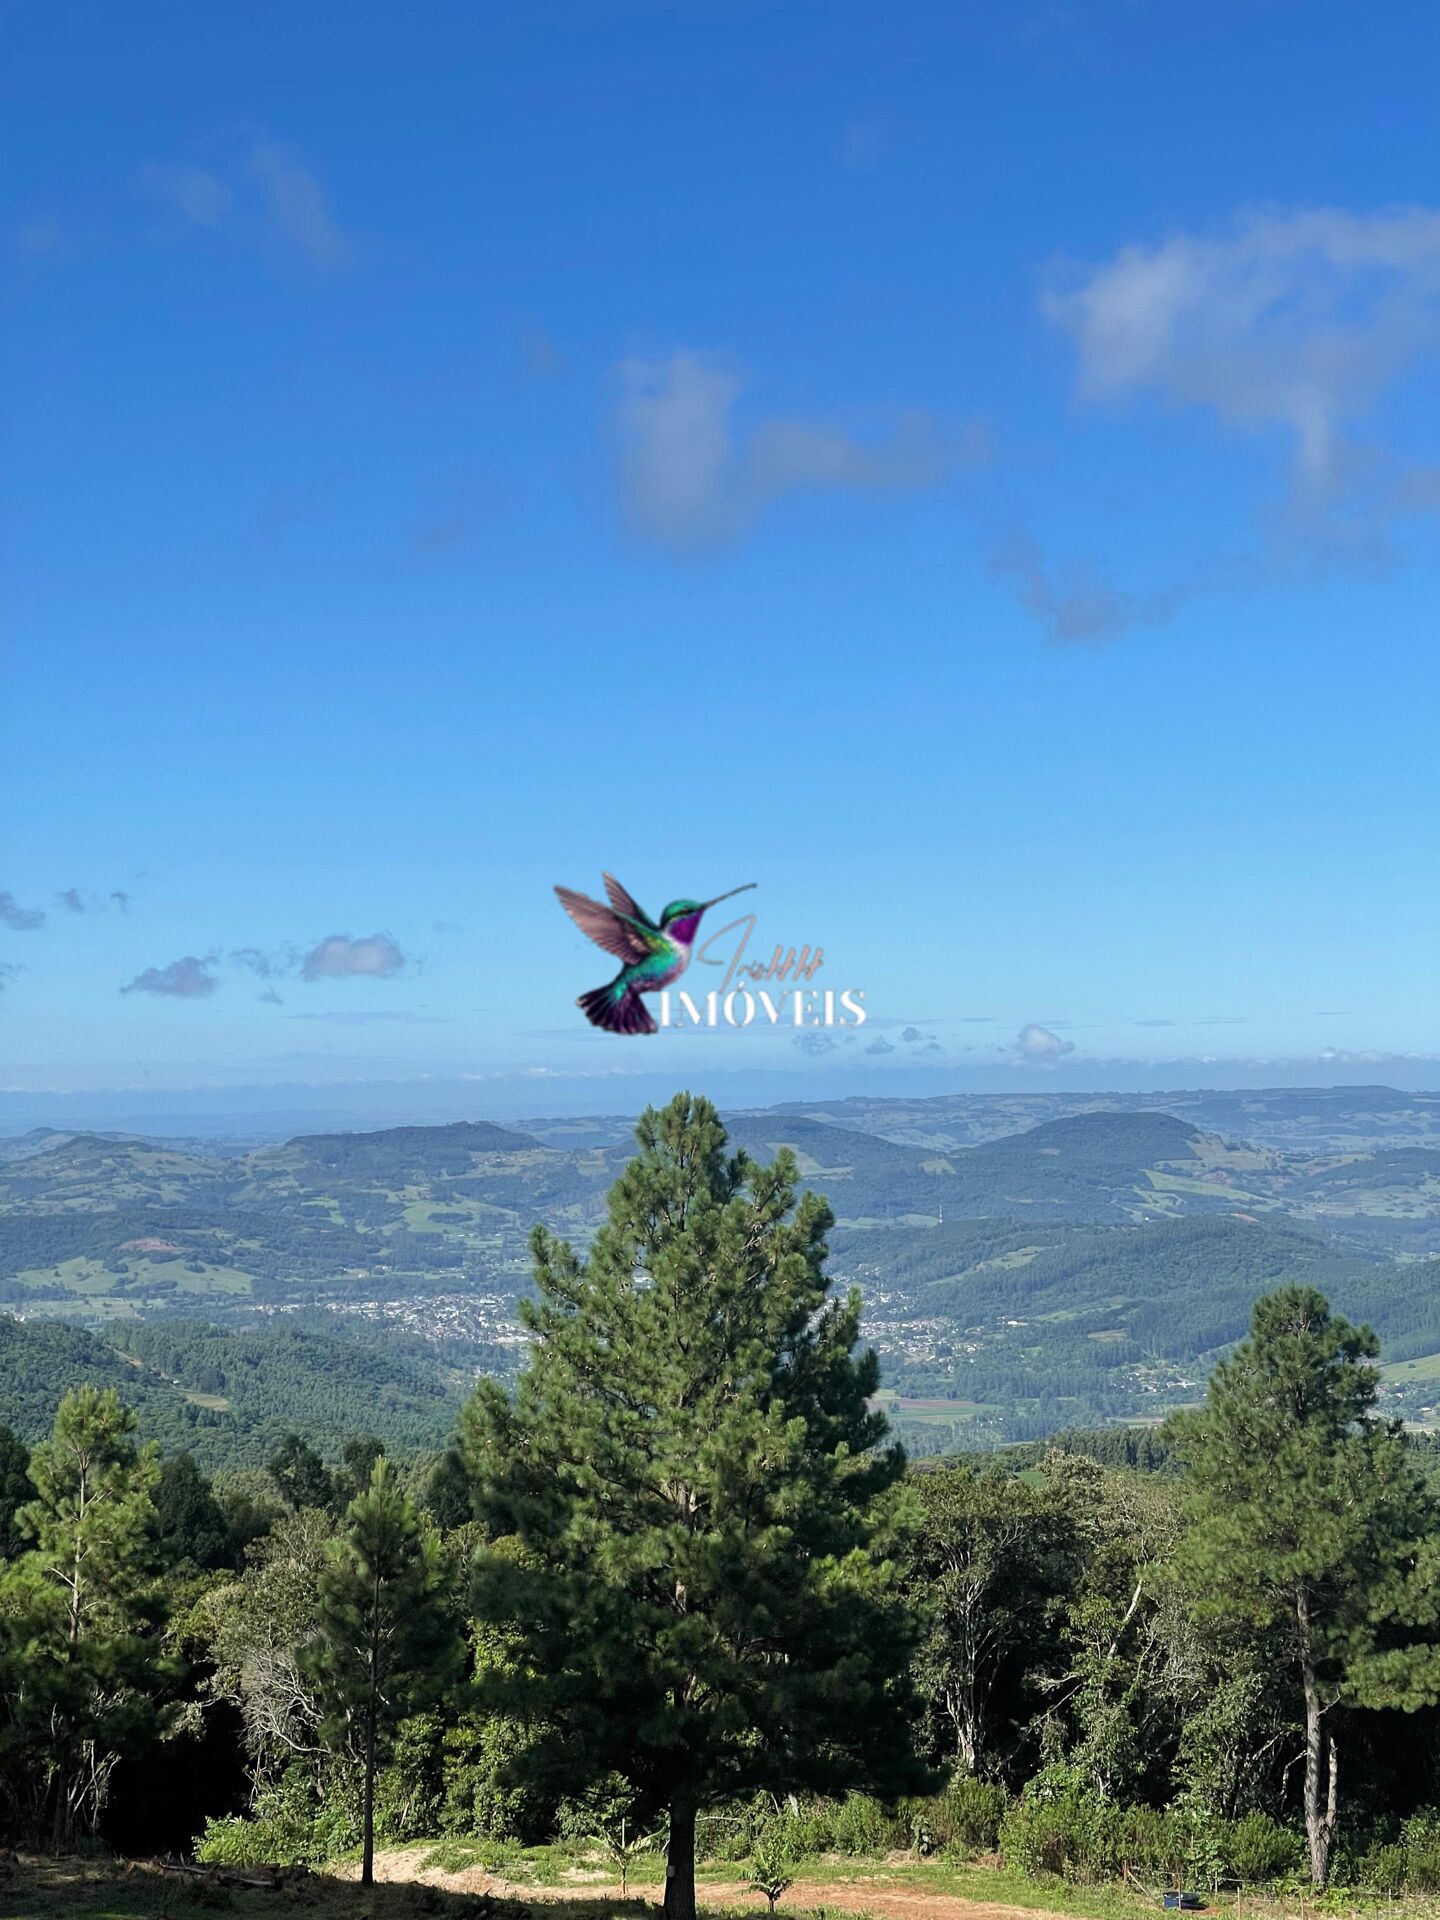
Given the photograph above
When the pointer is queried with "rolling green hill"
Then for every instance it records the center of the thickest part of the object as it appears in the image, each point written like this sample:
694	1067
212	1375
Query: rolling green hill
228	1398
1088	1267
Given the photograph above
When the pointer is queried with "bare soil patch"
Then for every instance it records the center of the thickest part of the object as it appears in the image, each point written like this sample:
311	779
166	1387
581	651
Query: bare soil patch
864	1893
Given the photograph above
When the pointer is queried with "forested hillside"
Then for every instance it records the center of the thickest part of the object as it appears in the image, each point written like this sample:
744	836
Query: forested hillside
1017	1277
229	1397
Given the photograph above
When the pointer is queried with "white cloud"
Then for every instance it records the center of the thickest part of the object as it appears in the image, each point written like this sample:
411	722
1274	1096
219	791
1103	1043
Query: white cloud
1039	1043
689	479
372	956
1292	323
1297	320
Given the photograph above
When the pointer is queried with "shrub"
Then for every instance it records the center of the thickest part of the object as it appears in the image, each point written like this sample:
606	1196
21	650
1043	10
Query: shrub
1158	1843
730	1832
486	1791
291	1825
237	1841
858	1824
410	1790
1382	1868
1068	1830
855	1825
967	1816
601	1807
1259	1848
771	1868
1061	1834
1420	1837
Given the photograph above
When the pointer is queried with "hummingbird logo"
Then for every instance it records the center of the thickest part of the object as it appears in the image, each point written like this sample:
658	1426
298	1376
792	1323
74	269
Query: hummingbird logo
653	953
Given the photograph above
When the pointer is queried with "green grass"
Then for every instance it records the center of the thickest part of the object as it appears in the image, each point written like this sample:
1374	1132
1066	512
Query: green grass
1425	1367
101	1889
1208	1189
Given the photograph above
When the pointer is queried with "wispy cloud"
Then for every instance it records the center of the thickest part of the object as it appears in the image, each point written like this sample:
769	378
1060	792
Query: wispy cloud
189	978
39	238
263	962
75	900
19	919
439	536
1297	320
1289	322
297	203
8	971
862	145
1073	602
539	355
1371	1057
814	1043
689	479
358	1017
340	956
268	190
201	196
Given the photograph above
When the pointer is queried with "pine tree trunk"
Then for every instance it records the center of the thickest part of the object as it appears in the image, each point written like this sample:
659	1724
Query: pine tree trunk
60	1826
1319	1827
372	1718
367	1864
680	1861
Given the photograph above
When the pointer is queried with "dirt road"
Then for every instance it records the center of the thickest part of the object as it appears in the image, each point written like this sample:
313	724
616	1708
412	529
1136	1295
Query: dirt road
875	1894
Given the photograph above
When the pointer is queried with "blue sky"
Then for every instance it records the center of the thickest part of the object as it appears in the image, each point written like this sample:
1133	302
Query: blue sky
970	470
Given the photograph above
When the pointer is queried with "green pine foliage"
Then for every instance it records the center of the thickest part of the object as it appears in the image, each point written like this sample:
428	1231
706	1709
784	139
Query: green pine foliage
80	1654
1306	1516
385	1632
704	1598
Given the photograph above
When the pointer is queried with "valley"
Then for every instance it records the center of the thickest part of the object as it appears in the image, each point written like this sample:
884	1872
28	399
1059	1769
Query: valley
1026	1263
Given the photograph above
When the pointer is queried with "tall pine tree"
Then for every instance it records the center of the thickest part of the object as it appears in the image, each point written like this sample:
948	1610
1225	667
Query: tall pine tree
387	1635
1304	1518
697	1585
79	1617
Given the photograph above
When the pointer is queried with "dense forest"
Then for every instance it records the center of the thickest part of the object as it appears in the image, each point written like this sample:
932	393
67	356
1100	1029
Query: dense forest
676	1588
229	1397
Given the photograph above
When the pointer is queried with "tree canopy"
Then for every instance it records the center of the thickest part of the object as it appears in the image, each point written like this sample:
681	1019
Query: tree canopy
701	1495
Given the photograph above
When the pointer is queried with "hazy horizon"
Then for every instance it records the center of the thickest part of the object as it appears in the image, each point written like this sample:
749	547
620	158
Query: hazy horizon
365	1105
